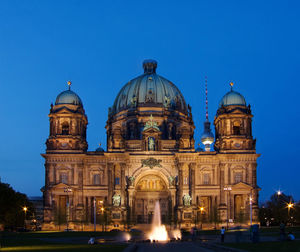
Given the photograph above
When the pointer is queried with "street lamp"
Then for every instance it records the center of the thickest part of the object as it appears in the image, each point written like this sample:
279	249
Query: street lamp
25	211
68	190
201	212
94	214
250	210
289	206
228	189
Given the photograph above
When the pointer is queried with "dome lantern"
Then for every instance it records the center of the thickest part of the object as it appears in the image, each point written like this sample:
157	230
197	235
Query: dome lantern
149	66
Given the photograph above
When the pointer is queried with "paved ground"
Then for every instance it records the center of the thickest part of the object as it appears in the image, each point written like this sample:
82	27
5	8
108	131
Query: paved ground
171	247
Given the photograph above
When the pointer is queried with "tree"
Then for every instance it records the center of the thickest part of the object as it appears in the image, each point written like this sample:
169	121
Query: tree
275	210
11	210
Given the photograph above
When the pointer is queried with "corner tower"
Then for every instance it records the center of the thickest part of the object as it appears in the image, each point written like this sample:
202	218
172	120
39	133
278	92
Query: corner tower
68	123
233	124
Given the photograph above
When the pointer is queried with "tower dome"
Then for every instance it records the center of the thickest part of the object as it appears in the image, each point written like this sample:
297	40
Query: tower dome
232	98
149	89
68	97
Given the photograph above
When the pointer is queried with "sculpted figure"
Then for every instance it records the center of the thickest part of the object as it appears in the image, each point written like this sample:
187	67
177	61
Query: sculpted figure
116	200
151	144
187	200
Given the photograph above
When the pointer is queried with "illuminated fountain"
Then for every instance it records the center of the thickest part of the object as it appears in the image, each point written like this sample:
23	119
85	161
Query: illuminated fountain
158	231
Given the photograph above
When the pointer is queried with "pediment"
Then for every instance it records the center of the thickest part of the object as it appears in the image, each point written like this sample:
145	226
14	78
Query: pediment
62	186
64	110
241	186
151	130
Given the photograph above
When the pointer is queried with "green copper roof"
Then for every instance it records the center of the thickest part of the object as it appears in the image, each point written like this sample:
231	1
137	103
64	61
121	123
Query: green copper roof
149	89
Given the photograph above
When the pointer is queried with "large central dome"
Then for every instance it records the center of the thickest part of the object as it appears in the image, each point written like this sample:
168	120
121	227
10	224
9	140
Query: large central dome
149	90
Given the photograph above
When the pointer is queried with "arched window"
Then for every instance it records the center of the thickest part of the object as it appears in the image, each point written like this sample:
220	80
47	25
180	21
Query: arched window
64	178
236	128
206	178
238	177
65	129
96	179
117	181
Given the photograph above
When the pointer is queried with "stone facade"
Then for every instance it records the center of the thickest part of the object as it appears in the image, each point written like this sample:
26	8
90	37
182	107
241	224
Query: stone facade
150	157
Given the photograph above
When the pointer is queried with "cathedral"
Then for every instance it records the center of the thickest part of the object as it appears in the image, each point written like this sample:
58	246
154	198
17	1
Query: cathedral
150	157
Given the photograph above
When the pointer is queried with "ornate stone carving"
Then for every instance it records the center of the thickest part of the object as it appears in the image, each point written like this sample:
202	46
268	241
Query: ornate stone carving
151	124
151	162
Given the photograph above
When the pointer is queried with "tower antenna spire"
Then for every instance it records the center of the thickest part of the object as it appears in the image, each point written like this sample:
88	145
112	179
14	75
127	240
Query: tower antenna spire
207	137
206	99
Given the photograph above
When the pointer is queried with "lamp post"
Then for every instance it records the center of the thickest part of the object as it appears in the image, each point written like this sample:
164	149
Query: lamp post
289	206
201	212
228	189
251	209
68	190
25	211
94	214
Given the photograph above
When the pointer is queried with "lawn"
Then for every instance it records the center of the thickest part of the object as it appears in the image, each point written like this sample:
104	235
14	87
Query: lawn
33	241
293	246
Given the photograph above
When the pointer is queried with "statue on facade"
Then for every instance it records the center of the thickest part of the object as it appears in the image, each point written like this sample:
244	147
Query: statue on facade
116	200
187	200
172	180
133	101
130	180
167	101
151	144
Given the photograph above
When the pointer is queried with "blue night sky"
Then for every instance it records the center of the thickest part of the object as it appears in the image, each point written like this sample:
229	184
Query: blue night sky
100	45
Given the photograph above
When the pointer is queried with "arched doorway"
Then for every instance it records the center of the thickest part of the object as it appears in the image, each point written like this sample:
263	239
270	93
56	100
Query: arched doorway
149	189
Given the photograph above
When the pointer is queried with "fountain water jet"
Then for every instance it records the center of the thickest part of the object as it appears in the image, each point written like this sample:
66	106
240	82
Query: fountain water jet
158	231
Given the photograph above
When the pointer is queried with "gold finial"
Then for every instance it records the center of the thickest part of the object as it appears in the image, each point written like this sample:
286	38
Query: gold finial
231	85
99	144
69	84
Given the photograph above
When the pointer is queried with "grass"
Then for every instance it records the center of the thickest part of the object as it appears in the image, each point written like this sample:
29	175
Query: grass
33	241
285	246
67	247
276	229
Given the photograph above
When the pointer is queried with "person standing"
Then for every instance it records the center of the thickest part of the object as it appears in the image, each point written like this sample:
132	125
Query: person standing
282	231
222	234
